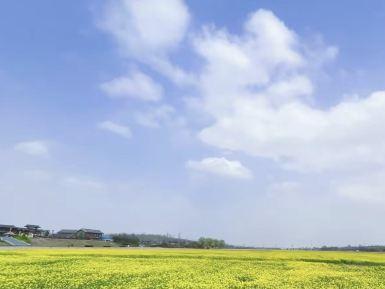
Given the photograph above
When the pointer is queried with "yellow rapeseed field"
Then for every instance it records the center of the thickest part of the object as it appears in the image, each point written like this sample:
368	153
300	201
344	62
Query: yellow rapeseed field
160	268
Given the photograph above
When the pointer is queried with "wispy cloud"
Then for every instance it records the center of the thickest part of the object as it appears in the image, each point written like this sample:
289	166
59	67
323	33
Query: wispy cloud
221	167
138	32
146	38
121	130
82	183
35	148
153	117
136	85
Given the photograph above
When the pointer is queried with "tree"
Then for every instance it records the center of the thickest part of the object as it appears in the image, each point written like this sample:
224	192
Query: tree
209	243
126	239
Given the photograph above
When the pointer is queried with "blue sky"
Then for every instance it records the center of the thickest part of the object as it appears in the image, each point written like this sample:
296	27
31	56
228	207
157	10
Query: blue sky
258	122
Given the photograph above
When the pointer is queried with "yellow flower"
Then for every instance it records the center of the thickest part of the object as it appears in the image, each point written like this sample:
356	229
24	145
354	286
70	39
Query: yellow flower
186	269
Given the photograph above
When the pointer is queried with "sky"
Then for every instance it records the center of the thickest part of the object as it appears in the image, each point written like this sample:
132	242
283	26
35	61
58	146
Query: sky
258	122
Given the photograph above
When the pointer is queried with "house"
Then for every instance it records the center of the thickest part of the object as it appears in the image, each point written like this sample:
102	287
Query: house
66	234
35	230
32	230
7	229
82	234
12	230
89	234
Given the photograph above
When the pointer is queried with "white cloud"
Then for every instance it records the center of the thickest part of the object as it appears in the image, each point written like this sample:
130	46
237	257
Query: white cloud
148	31
221	167
35	148
137	85
265	59
368	188
266	49
155	116
284	189
123	131
82	183
349	135
256	88
146	27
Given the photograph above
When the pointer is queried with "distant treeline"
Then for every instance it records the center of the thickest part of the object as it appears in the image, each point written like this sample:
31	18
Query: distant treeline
153	240
353	248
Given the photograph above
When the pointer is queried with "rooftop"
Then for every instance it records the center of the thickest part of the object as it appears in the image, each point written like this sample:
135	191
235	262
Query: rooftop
67	231
32	226
91	231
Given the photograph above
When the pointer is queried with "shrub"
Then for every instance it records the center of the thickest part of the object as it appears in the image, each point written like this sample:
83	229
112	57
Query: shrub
23	238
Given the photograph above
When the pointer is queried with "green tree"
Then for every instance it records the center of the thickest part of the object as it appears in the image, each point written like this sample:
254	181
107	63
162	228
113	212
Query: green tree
126	239
210	243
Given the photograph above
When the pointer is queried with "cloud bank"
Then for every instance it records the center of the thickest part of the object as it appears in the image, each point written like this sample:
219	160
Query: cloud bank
255	90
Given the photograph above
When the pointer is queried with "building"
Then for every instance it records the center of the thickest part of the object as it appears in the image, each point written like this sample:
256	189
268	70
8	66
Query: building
4	229
35	230
82	234
89	234
32	230
66	234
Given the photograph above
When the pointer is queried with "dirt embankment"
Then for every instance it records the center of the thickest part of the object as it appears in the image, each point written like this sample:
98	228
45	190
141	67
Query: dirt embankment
48	242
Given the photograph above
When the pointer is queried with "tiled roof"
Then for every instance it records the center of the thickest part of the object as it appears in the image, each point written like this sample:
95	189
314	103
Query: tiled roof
91	231
65	231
